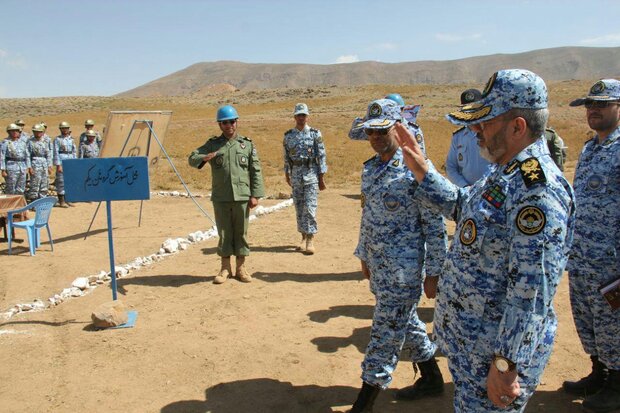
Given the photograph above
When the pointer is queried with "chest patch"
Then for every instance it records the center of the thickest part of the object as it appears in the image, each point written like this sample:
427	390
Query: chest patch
494	196
460	157
391	202
531	220
219	160
595	182
468	232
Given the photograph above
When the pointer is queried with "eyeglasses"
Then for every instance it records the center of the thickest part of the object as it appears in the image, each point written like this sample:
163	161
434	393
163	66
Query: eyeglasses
599	104
380	132
229	122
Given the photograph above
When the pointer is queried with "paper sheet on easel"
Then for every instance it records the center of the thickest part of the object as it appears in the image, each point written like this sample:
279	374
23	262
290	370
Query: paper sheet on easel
118	126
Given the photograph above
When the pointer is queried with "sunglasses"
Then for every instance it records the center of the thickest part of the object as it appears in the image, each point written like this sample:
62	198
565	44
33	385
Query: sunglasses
229	122
599	104
380	132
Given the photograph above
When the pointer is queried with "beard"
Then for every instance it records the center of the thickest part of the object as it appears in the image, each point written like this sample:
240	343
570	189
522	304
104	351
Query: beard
495	147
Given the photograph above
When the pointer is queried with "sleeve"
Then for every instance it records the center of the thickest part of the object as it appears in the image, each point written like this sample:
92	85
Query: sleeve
257	187
56	149
196	157
74	149
436	239
537	255
357	132
321	154
360	250
286	157
452	166
49	156
81	152
440	195
28	155
3	156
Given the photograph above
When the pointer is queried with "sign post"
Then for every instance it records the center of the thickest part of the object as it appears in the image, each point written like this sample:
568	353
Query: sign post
107	179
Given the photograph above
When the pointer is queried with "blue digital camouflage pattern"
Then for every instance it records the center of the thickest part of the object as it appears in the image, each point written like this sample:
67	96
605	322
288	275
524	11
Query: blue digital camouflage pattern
357	133
505	90
64	148
89	150
495	296
84	139
595	256
14	159
23	136
464	164
40	162
304	159
397	239
604	89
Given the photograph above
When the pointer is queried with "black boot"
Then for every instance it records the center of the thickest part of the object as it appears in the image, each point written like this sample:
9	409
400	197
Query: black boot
430	382
61	202
608	398
365	399
591	383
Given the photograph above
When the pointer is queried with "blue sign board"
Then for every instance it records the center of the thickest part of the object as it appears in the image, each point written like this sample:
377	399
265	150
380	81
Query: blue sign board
106	179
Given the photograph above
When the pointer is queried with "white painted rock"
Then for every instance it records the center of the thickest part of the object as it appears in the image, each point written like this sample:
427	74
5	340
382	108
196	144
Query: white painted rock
81	282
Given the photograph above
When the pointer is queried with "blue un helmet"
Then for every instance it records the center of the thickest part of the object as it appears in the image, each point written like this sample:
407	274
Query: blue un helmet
226	113
396	98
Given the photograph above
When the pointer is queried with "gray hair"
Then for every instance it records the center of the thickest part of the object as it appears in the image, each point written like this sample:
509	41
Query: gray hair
536	120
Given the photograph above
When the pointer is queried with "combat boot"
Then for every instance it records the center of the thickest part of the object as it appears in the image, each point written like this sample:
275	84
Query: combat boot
302	244
225	271
430	382
309	244
241	272
590	384
61	202
608	398
365	399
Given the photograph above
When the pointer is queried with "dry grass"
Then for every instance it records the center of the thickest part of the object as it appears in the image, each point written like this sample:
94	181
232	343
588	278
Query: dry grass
266	115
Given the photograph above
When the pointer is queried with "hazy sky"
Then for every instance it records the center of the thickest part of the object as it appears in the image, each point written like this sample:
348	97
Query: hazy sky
88	47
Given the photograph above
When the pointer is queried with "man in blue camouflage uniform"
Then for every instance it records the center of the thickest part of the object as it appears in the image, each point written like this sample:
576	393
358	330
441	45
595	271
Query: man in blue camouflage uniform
89	148
64	148
494	317
464	164
395	235
595	256
23	135
305	166
89	124
40	166
14	161
409	115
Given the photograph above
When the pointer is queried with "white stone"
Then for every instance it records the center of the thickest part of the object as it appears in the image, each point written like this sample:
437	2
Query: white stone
81	282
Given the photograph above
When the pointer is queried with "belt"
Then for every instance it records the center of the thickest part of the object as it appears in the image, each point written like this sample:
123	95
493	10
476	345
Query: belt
65	153
302	162
16	159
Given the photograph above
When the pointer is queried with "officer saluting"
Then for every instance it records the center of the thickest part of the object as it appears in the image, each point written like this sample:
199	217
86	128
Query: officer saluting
237	184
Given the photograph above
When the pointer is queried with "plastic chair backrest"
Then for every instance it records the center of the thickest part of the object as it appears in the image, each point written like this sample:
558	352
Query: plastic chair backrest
43	209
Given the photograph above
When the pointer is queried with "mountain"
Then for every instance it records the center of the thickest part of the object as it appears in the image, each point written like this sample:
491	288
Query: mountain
562	63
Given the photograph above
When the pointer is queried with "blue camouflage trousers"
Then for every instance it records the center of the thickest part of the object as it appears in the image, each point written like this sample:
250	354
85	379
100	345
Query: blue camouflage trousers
16	177
305	198
598	325
39	181
395	325
469	371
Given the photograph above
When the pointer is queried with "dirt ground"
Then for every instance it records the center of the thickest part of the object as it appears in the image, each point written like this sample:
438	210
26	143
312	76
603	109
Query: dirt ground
291	341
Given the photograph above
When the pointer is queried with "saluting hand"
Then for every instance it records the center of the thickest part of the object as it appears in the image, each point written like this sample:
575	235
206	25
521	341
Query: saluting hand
412	153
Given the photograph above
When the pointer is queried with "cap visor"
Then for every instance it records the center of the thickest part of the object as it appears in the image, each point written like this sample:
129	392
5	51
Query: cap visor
378	124
577	102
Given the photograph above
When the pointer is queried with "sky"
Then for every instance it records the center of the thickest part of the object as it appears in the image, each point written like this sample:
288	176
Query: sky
104	47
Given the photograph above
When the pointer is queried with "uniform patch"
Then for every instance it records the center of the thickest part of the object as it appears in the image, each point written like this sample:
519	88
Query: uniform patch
292	151
243	160
595	182
242	145
375	110
468	232
494	196
363	199
219	160
531	220
531	172
598	87
512	165
460	157
489	85
253	151
391	202
396	162
418	138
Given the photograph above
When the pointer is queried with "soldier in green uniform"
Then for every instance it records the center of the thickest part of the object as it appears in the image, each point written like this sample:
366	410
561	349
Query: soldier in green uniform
237	184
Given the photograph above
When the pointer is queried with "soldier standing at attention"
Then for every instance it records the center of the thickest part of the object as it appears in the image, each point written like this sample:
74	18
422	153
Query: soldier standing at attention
396	234
90	148
494	317
40	166
237	184
464	164
64	148
595	258
22	133
14	161
304	167
89	124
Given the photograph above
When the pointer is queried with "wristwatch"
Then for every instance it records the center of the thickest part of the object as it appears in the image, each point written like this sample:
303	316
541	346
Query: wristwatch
503	365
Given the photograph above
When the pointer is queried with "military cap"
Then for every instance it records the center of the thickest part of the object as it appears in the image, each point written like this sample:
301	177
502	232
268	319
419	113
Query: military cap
19	122
89	122
605	90
301	109
12	126
38	128
382	114
90	133
63	125
505	90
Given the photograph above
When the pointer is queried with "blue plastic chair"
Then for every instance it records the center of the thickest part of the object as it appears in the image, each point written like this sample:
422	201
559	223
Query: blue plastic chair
42	209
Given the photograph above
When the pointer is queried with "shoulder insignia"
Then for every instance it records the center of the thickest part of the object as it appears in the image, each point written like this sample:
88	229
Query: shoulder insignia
419	138
531	220
246	138
512	166
531	172
415	125
396	162
314	130
459	129
368	160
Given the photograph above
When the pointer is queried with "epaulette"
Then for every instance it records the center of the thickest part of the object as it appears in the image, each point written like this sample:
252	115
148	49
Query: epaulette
289	131
550	129
314	130
368	160
214	138
512	166
458	130
414	124
245	138
531	172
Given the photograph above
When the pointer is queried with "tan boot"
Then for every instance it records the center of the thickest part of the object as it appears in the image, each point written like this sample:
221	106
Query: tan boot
225	272
241	272
302	244
309	244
